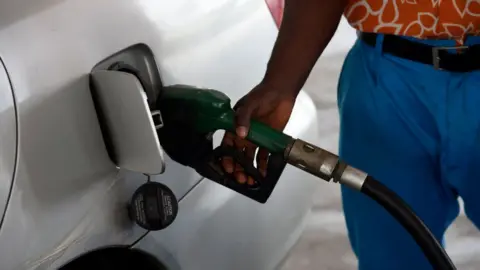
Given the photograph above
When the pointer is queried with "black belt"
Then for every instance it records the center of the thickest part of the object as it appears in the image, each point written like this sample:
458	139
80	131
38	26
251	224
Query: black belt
466	59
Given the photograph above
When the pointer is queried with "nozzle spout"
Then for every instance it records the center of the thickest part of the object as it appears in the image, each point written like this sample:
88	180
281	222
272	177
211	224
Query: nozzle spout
312	159
323	164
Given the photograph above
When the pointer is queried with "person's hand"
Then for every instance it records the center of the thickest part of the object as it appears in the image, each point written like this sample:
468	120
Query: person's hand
269	105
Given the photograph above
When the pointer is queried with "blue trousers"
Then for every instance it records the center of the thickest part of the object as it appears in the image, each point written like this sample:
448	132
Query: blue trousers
417	130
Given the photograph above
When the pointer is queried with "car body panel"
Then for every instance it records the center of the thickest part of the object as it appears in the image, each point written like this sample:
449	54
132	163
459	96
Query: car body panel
8	138
68	198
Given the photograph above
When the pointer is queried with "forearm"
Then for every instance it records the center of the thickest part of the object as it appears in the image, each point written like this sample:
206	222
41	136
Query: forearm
306	29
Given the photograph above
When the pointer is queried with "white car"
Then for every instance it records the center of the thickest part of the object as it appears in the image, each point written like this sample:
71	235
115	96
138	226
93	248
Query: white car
63	201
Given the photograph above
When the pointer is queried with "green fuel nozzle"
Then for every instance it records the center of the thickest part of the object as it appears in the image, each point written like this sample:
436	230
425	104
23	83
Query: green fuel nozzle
210	110
190	117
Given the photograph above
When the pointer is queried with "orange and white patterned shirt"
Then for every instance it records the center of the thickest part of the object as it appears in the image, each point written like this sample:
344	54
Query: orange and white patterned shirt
425	19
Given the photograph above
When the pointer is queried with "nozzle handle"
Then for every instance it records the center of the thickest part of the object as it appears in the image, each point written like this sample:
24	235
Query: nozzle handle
208	110
260	134
268	138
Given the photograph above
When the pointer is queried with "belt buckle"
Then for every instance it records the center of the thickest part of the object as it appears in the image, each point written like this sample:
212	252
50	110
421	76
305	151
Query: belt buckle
436	54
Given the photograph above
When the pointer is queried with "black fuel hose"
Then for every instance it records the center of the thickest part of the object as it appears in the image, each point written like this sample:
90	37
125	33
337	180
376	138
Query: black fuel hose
327	166
410	221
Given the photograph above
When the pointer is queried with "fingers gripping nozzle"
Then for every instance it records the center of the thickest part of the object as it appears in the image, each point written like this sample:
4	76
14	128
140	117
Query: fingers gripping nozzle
325	165
190	117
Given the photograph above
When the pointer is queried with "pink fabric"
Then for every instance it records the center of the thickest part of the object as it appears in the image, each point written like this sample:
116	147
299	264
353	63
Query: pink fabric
276	9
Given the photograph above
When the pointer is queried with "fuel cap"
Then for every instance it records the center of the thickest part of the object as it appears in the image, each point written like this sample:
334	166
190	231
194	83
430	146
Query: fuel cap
153	206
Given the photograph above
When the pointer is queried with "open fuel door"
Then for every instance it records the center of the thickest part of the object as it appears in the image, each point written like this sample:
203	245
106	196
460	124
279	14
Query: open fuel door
127	122
124	88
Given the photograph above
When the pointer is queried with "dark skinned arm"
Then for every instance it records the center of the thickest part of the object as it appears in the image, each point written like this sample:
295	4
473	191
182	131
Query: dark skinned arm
306	29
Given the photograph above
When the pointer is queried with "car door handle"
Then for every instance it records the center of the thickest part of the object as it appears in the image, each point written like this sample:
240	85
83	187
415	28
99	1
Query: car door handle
128	125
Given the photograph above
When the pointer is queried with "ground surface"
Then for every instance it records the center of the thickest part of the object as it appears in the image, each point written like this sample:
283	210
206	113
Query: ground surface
324	244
